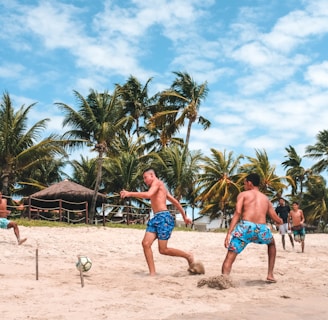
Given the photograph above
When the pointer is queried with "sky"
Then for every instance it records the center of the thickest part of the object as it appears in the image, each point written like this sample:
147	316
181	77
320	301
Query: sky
265	63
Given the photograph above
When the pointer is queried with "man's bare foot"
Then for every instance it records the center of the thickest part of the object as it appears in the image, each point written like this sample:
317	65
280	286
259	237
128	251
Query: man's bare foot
271	280
21	241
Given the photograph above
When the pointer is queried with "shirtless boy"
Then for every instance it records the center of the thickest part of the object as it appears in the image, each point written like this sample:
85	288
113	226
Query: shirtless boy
161	225
7	224
296	223
248	225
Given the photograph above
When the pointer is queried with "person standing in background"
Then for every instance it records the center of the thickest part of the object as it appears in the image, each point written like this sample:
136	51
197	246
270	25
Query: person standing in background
283	211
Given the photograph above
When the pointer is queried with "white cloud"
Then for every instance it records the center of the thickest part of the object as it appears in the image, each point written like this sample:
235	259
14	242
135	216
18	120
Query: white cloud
318	74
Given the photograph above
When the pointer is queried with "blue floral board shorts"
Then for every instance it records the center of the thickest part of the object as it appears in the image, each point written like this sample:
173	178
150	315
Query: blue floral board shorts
162	224
246	232
4	223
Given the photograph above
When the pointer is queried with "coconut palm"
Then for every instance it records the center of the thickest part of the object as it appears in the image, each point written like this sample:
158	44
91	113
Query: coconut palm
40	176
298	173
84	171
180	103
315	201
19	149
271	184
97	122
135	102
181	173
124	171
219	181
178	167
319	151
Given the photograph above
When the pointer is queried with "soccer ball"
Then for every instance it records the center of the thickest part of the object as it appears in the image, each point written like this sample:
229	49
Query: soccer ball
84	263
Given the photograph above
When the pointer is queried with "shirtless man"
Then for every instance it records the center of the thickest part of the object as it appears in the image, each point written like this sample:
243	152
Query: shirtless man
296	223
7	224
161	225
248	225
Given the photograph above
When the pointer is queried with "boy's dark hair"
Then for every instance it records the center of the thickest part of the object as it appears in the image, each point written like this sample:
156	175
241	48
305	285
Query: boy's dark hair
295	202
149	169
254	178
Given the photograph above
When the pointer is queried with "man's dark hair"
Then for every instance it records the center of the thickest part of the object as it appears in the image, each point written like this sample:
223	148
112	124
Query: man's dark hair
254	178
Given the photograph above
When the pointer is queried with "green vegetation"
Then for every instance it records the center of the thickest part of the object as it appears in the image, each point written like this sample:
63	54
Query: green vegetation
129	130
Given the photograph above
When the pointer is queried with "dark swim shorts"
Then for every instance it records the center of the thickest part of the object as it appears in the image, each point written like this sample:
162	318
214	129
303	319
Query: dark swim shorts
162	224
246	232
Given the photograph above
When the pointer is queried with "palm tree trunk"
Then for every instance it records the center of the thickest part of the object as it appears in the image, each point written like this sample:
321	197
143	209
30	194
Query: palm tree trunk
188	134
96	189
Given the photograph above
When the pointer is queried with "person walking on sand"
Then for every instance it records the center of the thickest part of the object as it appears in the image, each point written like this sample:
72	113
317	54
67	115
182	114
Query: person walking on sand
283	211
296	223
7	224
161	225
248	225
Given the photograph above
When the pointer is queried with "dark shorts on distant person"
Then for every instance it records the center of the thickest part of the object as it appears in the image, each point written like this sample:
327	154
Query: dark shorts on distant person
162	224
246	232
299	235
4	223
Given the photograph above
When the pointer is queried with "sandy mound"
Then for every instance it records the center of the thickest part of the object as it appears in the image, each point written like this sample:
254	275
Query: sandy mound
219	282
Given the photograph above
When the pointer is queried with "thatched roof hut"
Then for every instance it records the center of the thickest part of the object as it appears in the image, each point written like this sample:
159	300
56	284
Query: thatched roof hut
64	195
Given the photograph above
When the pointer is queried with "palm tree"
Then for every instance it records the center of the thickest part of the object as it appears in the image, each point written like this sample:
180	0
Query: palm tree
181	169
97	123
124	171
296	172
271	184
136	101
19	149
315	201
40	176
182	101
319	151
219	183
84	171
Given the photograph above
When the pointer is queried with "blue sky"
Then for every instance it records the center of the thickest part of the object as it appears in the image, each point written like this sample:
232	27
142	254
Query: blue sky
265	62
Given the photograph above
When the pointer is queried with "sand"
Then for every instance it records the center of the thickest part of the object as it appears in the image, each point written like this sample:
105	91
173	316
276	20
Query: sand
118	285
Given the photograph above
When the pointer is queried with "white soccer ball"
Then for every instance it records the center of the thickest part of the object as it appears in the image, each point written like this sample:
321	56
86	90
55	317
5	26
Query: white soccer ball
84	263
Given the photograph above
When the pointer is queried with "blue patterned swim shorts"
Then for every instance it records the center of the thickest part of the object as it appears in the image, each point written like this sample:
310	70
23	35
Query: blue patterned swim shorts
4	223
162	224
246	232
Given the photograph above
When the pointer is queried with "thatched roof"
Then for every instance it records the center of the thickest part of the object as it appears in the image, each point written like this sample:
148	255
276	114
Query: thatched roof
67	191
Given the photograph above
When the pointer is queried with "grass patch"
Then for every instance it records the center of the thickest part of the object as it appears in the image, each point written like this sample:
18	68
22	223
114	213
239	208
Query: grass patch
54	224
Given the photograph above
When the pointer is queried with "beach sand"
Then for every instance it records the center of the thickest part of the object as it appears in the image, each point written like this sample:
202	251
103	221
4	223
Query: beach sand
118	285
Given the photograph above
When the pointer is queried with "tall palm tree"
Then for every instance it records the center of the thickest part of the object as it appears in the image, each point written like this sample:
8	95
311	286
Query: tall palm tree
319	151
271	184
182	102
296	172
136	101
19	147
97	122
219	182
